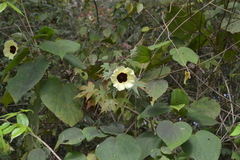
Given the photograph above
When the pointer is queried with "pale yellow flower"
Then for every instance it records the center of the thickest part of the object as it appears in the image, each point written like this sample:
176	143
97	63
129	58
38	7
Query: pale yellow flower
10	49
123	78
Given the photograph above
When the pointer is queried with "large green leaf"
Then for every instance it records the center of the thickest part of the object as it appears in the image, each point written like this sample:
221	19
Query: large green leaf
113	128
92	132
231	25
156	88
143	54
75	156
122	147
203	146
156	74
47	32
37	154
148	141
174	134
183	54
206	106
185	23
201	118
204	111
70	136
60	47
28	74
178	96
6	99
156	109
60	100
74	61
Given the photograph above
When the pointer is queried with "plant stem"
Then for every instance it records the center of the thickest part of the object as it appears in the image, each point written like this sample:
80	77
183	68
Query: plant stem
45	144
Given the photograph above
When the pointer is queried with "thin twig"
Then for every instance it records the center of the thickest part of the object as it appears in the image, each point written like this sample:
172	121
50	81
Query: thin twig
213	89
45	144
96	7
230	99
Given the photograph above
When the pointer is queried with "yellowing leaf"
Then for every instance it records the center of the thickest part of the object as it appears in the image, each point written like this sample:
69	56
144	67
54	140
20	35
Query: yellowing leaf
108	105
187	76
145	29
178	107
129	7
139	7
236	131
87	91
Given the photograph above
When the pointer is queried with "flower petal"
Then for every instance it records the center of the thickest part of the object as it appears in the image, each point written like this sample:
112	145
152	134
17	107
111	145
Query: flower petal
7	49
128	84
120	85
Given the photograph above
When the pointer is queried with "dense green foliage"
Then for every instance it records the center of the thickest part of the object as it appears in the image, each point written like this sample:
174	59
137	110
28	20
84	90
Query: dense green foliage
66	94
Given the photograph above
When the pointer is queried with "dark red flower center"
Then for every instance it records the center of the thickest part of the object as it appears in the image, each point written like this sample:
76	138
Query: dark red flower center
12	49
122	77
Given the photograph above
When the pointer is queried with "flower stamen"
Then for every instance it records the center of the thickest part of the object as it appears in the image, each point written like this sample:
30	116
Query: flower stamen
122	77
12	49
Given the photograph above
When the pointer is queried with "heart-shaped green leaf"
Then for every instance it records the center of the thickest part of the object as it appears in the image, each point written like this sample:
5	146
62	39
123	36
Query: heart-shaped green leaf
206	106
174	134
74	61
156	74
75	156
60	47
114	128
37	154
28	74
201	118
70	136
156	109
143	54
178	96
203	146
183	54
60	100
156	88
148	141
92	132
122	147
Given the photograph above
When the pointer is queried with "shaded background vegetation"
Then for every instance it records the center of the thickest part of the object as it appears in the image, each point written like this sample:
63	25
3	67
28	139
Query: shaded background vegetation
210	28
